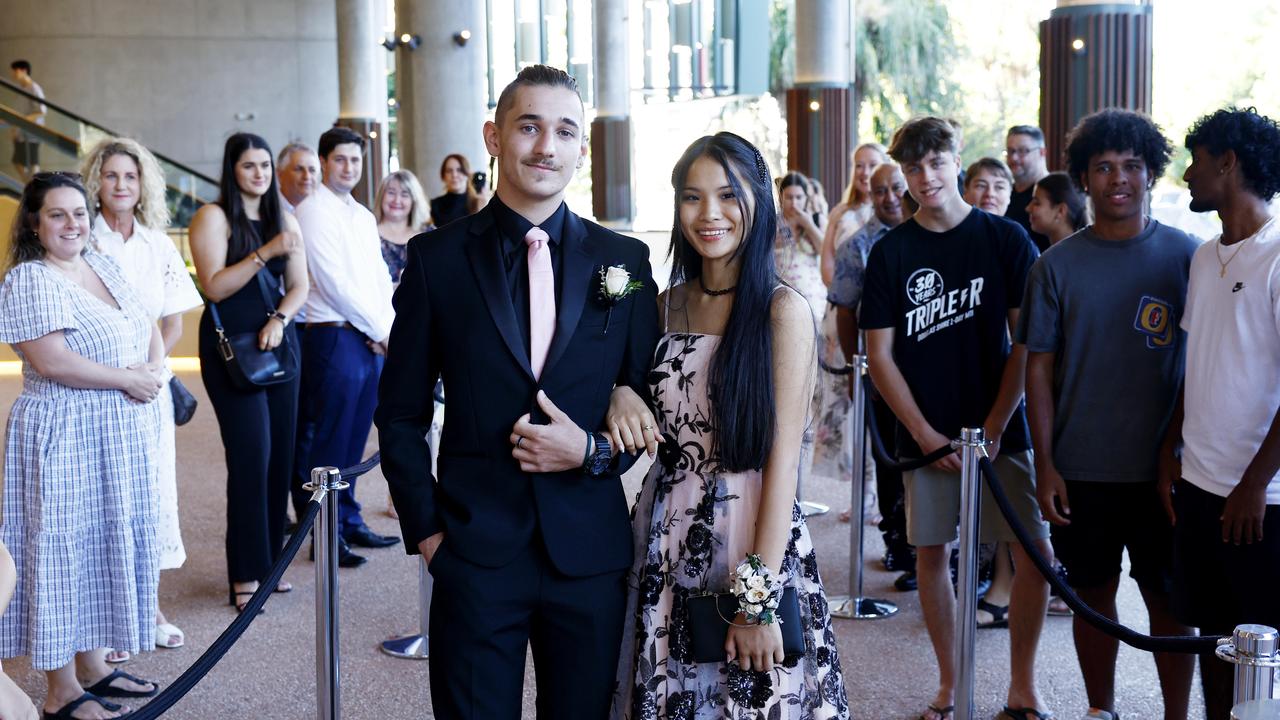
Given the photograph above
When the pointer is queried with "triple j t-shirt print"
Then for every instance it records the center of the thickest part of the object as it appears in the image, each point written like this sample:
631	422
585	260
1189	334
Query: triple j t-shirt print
947	296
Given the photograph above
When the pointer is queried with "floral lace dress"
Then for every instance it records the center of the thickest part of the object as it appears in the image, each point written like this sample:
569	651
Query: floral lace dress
692	525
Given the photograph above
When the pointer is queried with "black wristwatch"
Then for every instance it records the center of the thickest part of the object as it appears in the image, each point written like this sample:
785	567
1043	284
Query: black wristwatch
598	460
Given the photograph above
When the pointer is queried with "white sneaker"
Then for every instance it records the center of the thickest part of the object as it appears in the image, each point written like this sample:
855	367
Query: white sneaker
1096	714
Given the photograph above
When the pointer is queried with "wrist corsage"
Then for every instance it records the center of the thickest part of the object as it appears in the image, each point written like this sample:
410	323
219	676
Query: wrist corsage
615	284
758	590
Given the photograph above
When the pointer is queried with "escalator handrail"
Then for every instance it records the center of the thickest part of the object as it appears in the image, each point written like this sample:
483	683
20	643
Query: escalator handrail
78	118
44	132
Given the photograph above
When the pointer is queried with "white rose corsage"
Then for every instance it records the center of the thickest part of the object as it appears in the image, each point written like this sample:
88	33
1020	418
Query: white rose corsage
615	284
759	591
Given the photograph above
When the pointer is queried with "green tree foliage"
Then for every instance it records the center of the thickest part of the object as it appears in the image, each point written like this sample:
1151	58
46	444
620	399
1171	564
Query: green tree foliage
904	50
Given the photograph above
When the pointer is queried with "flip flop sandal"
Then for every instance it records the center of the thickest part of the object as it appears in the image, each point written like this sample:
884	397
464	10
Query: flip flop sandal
166	631
283	587
943	713
1023	714
999	615
104	688
65	712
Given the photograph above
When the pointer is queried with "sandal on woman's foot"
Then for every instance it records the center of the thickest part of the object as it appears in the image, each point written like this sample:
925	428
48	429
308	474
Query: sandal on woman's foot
942	713
64	712
239	604
999	615
1058	608
169	636
1023	714
283	587
115	656
104	688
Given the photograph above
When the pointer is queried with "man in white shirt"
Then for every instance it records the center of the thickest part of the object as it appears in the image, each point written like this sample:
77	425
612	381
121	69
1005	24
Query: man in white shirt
298	168
1224	498
349	318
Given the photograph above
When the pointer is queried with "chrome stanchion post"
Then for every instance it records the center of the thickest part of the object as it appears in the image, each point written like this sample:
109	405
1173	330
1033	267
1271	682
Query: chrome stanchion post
414	645
972	445
1255	651
325	484
854	605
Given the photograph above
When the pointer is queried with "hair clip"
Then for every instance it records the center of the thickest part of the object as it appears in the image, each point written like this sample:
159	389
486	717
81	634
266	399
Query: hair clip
761	168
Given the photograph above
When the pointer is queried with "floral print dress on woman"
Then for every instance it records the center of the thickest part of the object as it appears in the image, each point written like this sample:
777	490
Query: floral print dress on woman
693	524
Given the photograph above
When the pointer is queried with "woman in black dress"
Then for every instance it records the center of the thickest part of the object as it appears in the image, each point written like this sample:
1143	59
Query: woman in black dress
460	198
233	241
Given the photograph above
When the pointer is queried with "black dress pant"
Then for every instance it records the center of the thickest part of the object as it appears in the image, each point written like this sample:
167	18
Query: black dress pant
257	431
483	619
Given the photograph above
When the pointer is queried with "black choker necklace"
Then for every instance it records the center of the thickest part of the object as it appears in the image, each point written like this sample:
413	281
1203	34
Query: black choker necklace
715	293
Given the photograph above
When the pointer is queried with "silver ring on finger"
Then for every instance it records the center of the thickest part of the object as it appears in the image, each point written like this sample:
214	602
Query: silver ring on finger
519	441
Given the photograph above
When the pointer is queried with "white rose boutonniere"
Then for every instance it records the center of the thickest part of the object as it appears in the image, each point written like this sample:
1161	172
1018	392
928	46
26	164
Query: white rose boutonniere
615	284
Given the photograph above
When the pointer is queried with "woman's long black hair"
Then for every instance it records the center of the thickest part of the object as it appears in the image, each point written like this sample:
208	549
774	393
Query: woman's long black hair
244	239
740	384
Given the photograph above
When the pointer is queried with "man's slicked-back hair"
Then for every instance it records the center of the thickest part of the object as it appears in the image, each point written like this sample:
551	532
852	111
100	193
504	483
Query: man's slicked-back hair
338	135
920	136
534	76
1030	131
1254	138
1116	130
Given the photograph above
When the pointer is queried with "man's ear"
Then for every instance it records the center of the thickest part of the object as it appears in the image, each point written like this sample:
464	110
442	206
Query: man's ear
492	138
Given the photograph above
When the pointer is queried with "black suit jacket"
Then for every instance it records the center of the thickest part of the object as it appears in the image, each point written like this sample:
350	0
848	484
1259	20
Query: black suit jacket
455	319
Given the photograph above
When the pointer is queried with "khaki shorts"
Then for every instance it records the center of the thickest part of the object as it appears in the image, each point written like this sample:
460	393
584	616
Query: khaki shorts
933	503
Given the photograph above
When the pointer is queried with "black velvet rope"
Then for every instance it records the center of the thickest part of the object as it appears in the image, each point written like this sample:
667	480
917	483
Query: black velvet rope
877	441
1193	644
211	657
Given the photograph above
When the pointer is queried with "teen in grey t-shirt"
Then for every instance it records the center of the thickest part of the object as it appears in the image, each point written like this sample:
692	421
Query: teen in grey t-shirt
1108	310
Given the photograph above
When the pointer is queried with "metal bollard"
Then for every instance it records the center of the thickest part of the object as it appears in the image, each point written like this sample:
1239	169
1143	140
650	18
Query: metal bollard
1255	651
413	646
972	445
854	605
324	486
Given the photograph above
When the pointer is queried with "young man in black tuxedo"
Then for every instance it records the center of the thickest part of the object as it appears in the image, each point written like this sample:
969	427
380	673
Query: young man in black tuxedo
525	529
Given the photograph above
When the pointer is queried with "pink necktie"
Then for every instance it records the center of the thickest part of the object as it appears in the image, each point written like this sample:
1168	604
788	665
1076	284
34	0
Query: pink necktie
542	299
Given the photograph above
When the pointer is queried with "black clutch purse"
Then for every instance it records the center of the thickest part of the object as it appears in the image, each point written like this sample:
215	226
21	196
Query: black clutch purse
251	368
184	403
710	616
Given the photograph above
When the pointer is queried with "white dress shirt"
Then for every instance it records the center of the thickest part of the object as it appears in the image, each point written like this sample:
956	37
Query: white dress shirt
152	265
349	280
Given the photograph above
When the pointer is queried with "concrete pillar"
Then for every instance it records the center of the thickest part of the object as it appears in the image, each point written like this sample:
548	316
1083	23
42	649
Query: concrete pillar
820	118
441	87
611	190
362	86
1092	56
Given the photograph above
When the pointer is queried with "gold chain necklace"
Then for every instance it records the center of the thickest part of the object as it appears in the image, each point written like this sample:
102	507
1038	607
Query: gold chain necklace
1217	249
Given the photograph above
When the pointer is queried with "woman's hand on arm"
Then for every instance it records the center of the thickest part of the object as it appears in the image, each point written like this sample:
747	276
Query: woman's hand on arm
210	233
52	359
629	422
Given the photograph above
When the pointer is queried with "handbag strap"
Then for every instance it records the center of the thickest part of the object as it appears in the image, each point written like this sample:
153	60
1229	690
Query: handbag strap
266	299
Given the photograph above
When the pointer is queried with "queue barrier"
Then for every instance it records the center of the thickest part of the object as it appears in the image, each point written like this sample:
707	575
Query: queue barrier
1253	649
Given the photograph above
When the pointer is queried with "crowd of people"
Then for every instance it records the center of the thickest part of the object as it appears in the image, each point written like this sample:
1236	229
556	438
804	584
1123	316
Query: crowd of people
967	291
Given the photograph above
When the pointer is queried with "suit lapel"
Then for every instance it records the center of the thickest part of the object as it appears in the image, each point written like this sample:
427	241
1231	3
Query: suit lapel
486	262
579	268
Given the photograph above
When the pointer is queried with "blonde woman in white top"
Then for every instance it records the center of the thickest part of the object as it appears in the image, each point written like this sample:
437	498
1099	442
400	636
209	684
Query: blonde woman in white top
127	189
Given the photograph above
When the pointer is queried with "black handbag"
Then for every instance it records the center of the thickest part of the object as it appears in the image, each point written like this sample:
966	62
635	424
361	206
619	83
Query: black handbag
710	616
184	403
249	367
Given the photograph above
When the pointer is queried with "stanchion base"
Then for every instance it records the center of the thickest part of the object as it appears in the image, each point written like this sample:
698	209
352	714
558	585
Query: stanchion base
809	509
412	646
862	608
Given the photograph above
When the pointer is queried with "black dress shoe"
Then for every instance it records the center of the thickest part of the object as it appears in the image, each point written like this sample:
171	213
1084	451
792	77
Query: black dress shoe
364	537
906	582
346	558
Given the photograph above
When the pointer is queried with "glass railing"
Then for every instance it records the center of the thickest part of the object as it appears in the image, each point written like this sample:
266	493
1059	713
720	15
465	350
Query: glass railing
63	138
